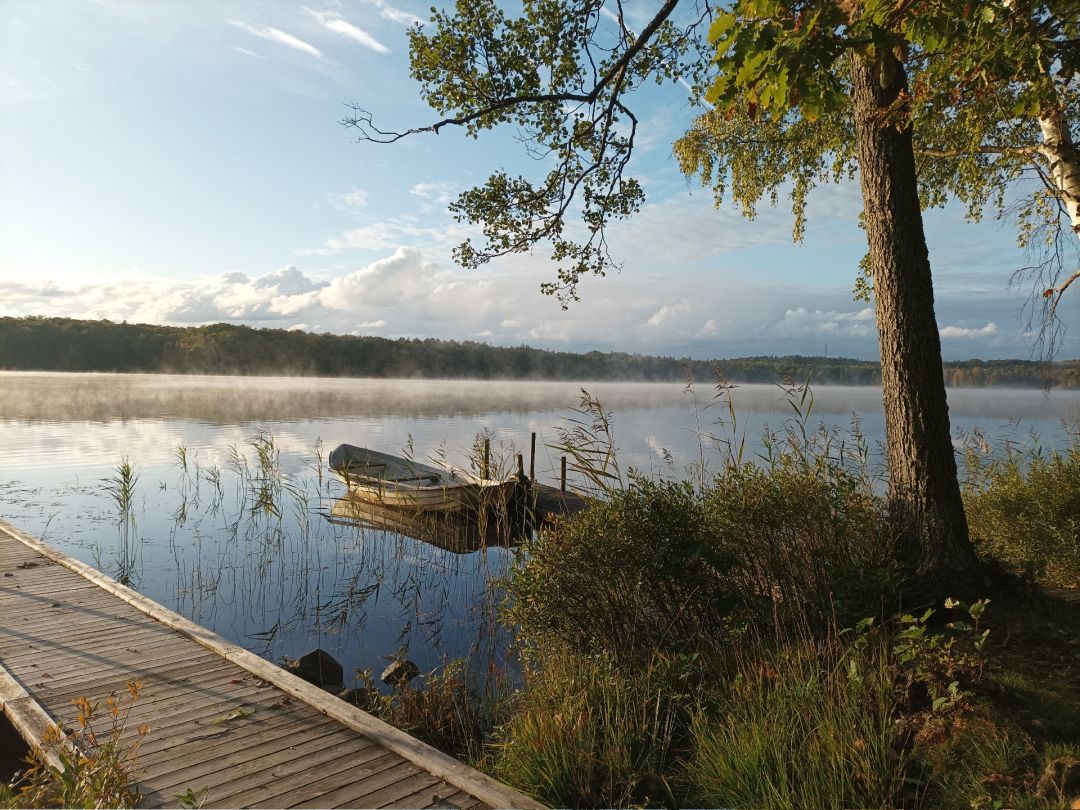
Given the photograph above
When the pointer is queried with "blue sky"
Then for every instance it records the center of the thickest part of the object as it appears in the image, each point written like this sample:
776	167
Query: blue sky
183	163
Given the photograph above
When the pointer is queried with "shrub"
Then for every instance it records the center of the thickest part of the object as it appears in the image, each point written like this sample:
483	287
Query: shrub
804	541
95	767
1024	511
626	578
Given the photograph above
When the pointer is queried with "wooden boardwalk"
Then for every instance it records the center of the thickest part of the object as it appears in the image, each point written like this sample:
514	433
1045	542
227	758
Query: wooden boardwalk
220	717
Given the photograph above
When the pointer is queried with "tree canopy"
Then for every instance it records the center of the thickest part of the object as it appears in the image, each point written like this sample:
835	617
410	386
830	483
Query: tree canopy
994	98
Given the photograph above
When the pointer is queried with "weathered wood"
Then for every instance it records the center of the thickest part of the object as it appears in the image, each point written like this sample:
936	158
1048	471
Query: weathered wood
303	768
406	786
315	759
333	776
292	743
356	793
429	795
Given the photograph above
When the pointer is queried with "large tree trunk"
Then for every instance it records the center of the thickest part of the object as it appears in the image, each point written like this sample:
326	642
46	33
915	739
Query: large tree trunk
924	494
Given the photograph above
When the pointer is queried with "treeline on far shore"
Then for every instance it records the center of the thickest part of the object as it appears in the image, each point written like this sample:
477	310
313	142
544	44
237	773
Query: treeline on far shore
65	344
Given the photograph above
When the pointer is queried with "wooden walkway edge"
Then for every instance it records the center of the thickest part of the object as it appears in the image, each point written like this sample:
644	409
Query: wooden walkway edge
403	760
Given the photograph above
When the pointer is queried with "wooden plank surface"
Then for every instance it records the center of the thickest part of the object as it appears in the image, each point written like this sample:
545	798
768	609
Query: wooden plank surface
221	718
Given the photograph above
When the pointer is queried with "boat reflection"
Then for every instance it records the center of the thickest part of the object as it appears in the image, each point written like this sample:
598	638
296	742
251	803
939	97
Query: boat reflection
460	533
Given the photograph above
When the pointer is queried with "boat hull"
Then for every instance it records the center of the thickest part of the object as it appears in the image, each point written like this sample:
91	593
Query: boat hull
400	483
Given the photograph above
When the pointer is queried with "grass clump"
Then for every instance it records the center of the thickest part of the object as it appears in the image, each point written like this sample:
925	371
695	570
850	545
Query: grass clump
587	733
807	724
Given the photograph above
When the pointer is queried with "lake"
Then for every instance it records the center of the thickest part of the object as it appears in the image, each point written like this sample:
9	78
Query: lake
285	580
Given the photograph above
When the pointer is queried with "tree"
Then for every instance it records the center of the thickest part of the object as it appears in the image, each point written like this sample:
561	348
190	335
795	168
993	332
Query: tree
803	91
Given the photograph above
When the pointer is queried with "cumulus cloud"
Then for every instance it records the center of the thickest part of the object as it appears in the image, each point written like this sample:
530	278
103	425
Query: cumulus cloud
276	35
409	292
969	332
332	21
667	314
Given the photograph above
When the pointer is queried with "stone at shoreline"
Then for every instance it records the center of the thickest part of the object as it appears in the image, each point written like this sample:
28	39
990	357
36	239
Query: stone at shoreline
400	673
320	668
1060	781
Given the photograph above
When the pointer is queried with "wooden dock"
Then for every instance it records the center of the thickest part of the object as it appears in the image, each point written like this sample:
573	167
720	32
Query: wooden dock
221	718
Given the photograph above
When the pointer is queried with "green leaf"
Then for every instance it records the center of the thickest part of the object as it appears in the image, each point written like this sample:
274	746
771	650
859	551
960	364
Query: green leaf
720	26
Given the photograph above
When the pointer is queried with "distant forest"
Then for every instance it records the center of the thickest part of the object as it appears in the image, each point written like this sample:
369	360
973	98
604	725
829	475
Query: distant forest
63	344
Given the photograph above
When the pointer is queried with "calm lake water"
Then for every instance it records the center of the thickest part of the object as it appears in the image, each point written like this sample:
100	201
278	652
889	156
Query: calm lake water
282	584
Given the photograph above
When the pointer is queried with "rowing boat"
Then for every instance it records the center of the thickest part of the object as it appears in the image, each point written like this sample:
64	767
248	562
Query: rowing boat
404	483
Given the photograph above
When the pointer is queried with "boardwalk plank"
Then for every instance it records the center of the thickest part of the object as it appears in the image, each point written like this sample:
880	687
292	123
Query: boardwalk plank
311	758
330	777
157	748
258	759
396	790
354	792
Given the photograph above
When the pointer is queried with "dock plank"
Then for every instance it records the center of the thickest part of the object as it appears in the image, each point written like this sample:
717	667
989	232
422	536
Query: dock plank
68	631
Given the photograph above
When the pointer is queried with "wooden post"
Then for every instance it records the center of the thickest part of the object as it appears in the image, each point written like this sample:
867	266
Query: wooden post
562	476
532	458
485	462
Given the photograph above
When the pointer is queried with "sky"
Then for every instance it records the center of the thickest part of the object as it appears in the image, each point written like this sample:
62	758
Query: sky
184	163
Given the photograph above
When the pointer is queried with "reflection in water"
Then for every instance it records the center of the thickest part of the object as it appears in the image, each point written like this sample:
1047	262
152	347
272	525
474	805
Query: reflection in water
457	532
229	511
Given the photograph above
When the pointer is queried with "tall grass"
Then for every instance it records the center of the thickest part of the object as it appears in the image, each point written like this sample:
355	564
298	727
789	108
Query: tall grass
584	733
809	724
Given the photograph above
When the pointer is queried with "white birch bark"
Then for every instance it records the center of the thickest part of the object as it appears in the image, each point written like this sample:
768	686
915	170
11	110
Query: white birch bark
1063	160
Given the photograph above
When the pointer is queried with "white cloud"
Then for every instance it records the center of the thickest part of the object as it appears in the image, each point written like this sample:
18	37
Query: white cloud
276	35
352	202
332	21
393	14
667	314
440	192
247	52
405	294
966	332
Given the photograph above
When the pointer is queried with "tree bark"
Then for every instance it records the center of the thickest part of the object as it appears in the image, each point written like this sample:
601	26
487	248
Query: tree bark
924	493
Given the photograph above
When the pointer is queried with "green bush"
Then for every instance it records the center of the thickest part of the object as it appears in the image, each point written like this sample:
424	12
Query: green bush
804	541
1024	511
629	577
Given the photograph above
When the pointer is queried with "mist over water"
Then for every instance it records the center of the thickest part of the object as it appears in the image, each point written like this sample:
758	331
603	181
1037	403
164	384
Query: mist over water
284	584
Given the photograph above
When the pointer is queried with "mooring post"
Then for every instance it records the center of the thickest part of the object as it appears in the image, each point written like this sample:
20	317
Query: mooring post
485	462
532	458
562	476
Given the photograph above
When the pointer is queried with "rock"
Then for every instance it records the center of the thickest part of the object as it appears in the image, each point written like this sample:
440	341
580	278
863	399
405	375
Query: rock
400	673
320	668
1060	781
